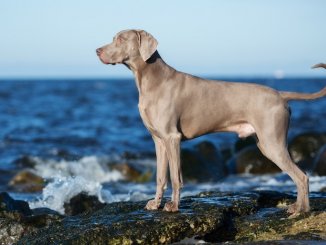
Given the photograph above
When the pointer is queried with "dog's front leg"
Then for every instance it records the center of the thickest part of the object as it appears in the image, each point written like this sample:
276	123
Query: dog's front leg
172	144
161	172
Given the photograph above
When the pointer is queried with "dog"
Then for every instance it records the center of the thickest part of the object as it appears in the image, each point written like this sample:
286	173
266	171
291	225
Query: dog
176	106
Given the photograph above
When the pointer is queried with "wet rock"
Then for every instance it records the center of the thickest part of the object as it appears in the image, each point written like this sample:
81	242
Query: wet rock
9	205
129	223
203	164
17	219
274	224
12	230
26	181
251	160
320	162
82	203
304	147
45	211
12	213
133	172
209	217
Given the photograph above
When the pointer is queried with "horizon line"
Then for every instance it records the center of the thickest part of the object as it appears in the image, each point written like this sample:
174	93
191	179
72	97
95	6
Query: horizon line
213	77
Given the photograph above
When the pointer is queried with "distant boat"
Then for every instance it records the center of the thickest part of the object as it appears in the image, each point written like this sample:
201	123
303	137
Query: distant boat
279	74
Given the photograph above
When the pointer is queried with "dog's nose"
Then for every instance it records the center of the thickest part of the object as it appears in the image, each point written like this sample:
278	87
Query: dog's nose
98	51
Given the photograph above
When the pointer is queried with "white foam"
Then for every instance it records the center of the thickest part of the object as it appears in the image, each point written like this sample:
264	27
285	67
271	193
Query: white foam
69	178
91	168
61	190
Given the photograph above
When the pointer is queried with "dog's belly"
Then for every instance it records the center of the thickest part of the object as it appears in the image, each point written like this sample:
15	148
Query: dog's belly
243	129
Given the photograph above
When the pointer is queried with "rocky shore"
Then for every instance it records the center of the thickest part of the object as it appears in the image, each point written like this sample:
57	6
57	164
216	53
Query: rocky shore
252	217
209	217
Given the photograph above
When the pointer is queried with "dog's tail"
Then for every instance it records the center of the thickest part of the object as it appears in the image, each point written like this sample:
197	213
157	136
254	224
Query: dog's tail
305	96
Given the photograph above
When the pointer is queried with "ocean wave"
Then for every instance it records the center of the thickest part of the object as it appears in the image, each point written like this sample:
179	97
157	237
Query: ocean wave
90	175
60	190
91	168
69	178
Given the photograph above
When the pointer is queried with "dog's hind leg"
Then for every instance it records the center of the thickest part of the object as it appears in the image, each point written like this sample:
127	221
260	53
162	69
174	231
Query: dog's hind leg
272	143
280	156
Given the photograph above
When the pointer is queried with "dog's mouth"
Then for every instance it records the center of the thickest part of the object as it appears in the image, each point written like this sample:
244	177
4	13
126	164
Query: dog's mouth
106	62
103	58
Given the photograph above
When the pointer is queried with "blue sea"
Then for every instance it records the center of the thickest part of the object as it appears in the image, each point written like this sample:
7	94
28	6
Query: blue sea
70	127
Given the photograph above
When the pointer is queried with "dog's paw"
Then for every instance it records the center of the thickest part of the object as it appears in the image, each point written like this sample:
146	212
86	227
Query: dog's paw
152	205
294	209
171	207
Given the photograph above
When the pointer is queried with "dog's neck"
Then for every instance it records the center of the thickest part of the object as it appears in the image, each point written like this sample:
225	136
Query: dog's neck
153	67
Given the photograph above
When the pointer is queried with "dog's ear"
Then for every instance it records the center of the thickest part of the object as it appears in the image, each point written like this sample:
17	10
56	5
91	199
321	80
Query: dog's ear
147	44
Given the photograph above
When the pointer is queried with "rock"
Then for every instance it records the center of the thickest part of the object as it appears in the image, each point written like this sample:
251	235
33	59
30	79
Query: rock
17	219
130	155
9	205
209	217
251	160
12	213
6	176
82	203
25	162
244	143
320	162
304	147
45	211
64	154
11	230
26	181
226	153
270	224
129	223
133	172
203	164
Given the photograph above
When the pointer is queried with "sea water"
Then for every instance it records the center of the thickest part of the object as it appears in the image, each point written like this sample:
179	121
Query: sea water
73	129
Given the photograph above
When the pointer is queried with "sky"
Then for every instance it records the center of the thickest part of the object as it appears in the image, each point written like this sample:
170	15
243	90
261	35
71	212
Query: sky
221	38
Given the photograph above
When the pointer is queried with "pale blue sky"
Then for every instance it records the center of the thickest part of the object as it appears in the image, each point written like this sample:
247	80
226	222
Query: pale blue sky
58	38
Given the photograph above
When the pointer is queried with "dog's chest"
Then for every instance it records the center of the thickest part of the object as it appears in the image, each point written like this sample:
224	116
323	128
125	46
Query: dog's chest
147	120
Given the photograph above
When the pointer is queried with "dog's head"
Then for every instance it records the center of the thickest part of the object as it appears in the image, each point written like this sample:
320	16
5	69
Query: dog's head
127	46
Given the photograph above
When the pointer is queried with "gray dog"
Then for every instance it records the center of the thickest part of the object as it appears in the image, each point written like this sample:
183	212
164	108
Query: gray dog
175	106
